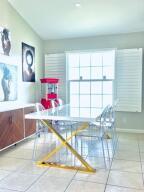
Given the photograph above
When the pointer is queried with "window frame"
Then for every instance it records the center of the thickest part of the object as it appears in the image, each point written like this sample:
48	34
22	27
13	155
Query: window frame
89	80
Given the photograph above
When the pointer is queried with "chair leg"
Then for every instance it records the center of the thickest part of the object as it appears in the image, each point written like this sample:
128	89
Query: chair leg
104	157
114	139
108	152
71	134
81	147
76	143
116	136
76	147
34	147
66	138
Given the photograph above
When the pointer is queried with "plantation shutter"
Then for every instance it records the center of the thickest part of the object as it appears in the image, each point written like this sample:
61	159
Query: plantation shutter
55	67
129	80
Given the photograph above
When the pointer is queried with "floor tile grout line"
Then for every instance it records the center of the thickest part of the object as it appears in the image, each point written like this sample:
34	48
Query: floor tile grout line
42	175
6	170
89	156
89	181
10	189
70	182
73	177
126	151
123	186
127	159
111	165
36	180
8	157
11	172
24	174
6	176
141	164
28	160
127	171
134	188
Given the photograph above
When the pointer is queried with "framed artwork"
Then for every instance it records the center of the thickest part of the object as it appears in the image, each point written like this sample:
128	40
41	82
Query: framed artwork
5	41
8	82
28	63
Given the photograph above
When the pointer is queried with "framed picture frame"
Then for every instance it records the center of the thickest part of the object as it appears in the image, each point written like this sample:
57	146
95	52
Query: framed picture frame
5	41
28	63
8	79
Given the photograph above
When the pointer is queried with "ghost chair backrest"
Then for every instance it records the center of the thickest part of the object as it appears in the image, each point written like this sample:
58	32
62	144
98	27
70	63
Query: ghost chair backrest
60	101
39	107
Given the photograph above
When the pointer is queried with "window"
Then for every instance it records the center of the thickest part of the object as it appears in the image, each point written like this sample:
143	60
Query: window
93	74
90	76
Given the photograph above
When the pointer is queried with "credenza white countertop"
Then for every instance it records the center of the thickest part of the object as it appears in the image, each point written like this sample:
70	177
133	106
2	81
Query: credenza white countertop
8	106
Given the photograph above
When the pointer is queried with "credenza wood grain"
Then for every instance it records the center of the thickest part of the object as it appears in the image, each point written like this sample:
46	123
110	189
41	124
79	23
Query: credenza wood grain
14	127
30	125
6	129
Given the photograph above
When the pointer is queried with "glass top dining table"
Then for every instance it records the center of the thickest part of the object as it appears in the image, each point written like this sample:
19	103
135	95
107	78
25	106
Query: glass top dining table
64	113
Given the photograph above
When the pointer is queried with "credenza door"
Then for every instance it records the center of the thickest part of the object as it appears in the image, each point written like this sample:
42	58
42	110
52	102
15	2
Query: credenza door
6	129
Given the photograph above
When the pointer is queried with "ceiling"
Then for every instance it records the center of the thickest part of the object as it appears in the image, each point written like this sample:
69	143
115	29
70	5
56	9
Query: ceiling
58	19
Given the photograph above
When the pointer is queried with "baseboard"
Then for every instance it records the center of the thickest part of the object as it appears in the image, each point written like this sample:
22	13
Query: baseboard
130	130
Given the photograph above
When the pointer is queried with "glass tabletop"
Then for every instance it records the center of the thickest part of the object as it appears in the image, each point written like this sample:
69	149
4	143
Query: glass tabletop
64	113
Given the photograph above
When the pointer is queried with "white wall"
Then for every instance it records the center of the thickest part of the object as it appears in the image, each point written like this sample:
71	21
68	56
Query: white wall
133	40
123	41
21	32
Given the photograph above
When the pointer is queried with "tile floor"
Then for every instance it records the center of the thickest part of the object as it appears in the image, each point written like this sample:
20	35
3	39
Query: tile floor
125	174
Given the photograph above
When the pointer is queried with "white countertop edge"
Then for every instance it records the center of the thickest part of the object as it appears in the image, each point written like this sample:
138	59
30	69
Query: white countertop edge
37	116
9	107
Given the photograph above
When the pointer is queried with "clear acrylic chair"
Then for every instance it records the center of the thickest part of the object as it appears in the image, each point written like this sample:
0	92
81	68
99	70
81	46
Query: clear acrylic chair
40	128
64	126
97	131
110	127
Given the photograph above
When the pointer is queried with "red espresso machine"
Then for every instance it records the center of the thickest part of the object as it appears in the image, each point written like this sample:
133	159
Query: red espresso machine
49	92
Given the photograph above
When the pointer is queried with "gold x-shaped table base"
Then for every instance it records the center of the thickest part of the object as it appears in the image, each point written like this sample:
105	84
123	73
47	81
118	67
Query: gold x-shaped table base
64	142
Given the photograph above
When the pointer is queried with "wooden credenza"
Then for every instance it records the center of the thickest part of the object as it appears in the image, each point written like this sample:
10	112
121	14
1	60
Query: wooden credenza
14	127
6	129
30	125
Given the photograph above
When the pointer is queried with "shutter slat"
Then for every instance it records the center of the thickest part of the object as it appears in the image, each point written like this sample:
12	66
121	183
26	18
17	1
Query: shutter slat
129	80
55	67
